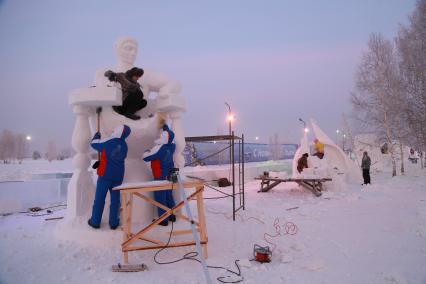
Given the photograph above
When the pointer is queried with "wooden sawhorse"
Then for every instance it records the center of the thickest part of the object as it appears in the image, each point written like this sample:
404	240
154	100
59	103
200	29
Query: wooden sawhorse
129	191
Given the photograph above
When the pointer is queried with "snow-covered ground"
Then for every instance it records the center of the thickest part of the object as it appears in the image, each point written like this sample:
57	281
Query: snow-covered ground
358	234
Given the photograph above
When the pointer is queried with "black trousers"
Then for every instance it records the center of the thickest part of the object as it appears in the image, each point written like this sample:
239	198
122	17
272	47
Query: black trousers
319	155
131	104
366	176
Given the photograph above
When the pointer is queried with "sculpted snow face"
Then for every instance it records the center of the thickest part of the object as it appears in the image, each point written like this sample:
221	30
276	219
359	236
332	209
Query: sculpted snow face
126	49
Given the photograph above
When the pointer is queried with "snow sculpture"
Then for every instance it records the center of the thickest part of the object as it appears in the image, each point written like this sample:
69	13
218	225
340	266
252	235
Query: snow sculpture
335	161
167	103
335	158
304	148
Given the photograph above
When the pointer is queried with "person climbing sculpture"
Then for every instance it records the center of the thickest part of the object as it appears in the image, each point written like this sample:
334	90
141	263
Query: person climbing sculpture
302	163
162	165
319	149
110	174
133	99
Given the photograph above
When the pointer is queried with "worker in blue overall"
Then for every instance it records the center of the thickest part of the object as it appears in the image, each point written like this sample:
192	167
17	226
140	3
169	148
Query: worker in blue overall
161	158
110	174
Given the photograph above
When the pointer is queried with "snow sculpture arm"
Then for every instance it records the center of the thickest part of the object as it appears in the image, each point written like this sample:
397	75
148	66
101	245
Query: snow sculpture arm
160	83
170	102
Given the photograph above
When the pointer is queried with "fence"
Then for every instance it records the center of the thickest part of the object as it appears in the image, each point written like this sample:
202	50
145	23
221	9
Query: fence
195	152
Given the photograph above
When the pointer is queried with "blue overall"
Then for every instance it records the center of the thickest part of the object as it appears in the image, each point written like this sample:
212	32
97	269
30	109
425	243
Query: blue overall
110	174
161	165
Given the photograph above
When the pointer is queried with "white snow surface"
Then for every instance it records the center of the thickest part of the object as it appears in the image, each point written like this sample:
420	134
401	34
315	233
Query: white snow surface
363	234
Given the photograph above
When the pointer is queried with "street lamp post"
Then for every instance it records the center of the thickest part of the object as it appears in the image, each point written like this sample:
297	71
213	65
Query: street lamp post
28	146
343	142
304	125
230	118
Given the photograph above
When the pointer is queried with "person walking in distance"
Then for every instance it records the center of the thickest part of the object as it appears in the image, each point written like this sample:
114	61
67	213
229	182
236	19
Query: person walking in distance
365	166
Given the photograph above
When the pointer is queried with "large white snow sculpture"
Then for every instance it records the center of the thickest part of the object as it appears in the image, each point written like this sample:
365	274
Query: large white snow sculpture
334	164
335	158
144	131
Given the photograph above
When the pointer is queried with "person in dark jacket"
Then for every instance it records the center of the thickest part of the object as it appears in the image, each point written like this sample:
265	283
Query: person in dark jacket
133	100
161	158
110	174
302	163
365	165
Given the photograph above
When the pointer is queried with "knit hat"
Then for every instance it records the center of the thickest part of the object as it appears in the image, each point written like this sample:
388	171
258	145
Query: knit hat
135	71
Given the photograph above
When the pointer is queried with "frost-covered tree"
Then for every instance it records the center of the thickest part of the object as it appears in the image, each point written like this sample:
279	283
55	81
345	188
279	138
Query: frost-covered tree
275	147
65	153
7	146
411	44
21	145
36	155
378	92
51	152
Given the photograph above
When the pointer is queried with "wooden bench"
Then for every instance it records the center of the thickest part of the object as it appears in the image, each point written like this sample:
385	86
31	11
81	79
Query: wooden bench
129	191
312	184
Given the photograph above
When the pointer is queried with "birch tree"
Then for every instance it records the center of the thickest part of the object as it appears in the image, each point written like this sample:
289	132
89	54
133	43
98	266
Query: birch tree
411	44
51	151
377	85
7	146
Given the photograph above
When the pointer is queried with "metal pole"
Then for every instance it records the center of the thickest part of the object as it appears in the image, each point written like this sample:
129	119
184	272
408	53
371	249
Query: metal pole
230	132
304	123
344	136
194	230
229	117
242	157
233	175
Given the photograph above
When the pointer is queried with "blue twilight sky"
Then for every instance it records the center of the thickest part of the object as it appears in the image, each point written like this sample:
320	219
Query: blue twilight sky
272	61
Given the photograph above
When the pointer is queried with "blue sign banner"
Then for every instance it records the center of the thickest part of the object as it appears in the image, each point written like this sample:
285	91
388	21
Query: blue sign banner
217	153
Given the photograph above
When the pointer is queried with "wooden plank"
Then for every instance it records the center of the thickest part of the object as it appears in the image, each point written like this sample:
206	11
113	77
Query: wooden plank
172	245
152	201
293	179
183	232
267	188
129	215
311	187
124	224
152	241
202	220
187	184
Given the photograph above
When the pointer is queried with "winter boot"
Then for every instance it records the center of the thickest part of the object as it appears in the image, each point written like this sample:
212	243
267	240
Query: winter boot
164	223
93	225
